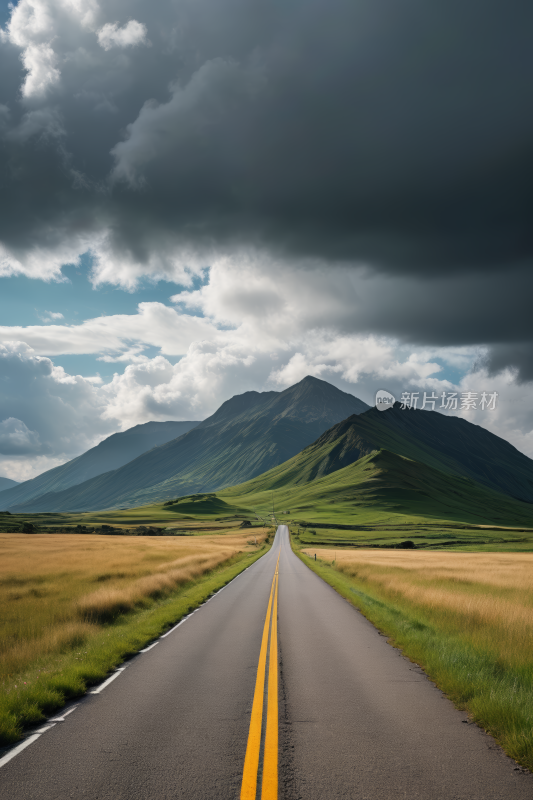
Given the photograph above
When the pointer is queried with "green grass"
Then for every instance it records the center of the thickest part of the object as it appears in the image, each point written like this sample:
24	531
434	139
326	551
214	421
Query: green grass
198	510
384	499
28	697
480	659
379	501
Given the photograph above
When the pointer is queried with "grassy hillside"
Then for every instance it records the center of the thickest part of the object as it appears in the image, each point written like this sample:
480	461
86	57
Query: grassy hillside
7	483
448	444
381	498
249	434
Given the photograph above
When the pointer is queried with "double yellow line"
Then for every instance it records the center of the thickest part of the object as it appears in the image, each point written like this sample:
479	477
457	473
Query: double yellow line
269	786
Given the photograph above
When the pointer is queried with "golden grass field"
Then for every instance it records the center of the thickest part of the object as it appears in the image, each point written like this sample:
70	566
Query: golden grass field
466	618
56	591
487	597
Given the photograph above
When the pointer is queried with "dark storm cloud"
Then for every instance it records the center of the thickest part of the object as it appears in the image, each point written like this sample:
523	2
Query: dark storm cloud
397	134
518	356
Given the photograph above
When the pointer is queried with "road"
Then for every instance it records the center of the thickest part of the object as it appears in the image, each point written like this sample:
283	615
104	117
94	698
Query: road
354	718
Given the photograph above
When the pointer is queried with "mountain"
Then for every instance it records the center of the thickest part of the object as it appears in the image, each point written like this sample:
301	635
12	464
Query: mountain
248	434
451	445
112	453
382	489
6	483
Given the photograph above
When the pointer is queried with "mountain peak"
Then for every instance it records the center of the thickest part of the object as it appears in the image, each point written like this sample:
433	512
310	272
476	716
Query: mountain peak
236	405
249	434
312	399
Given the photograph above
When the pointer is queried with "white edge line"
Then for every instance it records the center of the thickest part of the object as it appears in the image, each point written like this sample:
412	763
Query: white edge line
148	648
45	728
26	743
31	739
108	681
62	719
177	626
22	746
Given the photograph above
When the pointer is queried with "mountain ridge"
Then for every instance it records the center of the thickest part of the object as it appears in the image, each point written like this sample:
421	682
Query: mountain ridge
112	453
246	435
449	444
7	483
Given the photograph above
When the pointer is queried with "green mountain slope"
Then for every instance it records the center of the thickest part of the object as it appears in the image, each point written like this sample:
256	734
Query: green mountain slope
7	483
384	489
248	434
112	453
449	444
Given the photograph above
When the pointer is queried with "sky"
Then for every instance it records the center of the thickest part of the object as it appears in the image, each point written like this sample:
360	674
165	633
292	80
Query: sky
205	198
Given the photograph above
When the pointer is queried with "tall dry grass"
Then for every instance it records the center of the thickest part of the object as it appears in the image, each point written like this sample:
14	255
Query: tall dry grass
467	618
106	603
57	590
485	597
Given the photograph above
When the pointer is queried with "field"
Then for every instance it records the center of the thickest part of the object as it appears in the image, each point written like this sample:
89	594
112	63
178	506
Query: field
189	514
74	606
466	618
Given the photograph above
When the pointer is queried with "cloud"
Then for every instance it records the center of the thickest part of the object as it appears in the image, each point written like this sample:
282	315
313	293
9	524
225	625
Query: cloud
17	439
263	303
397	154
50	316
19	469
155	324
352	166
46	413
40	63
130	35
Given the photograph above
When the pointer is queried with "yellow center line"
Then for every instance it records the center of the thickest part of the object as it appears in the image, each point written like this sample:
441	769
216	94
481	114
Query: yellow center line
269	789
251	760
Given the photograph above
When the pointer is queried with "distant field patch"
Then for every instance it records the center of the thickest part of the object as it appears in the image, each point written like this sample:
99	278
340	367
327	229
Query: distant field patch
67	603
467	618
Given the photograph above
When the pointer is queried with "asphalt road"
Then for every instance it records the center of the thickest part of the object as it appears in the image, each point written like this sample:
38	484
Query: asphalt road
356	719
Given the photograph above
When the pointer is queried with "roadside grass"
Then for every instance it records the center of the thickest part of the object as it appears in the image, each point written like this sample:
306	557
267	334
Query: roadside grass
76	607
465	618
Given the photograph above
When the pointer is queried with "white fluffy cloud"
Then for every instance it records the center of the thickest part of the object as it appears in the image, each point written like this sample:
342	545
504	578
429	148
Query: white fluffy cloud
46	415
40	62
17	439
129	35
155	324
